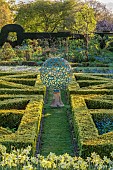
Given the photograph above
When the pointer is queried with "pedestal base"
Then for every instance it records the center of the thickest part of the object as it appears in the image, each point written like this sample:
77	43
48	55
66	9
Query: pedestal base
57	102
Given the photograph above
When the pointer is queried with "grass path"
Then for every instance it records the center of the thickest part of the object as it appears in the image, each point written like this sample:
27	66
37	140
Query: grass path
56	135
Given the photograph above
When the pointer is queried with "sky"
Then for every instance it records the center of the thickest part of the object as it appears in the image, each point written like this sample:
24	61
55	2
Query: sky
108	3
103	1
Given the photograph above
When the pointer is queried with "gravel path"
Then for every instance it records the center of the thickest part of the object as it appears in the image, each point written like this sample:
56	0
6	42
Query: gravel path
19	68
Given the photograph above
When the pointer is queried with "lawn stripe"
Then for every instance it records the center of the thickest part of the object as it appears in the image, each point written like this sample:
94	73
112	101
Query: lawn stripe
56	135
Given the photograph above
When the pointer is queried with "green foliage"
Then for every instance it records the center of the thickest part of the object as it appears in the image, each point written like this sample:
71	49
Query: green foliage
40	16
95	50
6	16
12	36
14	103
85	20
52	16
20	114
7	52
76	51
93	95
10	119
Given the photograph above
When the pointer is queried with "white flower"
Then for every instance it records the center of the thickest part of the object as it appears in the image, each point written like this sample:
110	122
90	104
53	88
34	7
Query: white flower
111	153
63	165
28	167
107	160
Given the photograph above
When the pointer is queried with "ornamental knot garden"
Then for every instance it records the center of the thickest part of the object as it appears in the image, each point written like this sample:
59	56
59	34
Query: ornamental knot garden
56	74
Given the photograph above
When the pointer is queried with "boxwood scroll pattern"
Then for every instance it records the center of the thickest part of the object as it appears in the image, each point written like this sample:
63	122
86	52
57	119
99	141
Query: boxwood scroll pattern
91	95
21	35
12	28
21	97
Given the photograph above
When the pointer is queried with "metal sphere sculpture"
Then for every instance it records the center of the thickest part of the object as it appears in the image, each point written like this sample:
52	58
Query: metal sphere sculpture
56	73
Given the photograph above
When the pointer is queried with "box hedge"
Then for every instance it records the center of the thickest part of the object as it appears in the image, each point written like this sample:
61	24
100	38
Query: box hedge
7	87
29	82
28	128
86	132
23	105
18	103
84	101
10	119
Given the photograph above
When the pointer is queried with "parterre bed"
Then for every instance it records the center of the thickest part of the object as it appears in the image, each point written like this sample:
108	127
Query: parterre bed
21	104
91	96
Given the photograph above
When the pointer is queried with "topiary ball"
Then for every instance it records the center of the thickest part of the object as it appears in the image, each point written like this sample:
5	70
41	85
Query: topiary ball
56	73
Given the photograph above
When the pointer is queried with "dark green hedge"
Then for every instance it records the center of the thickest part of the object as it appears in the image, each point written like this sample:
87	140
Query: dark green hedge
28	128
85	129
18	103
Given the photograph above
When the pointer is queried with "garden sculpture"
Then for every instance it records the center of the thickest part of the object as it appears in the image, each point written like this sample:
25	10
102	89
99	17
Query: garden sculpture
56	73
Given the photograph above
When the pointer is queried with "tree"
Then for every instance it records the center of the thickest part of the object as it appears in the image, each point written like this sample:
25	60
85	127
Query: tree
39	16
85	20
6	16
69	20
101	11
85	24
46	15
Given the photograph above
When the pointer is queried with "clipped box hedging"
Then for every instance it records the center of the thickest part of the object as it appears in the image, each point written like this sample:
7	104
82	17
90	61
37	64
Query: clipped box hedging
10	120
25	104
84	101
39	85
73	86
92	76
18	103
86	132
7	73
7	84
18	75
84	83
90	84
100	91
20	78
99	104
29	82
9	63
12	96
7	87
28	129
86	76
39	90
84	126
24	75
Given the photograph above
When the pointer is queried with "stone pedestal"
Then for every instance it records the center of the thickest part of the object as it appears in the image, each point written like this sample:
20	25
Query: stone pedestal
57	101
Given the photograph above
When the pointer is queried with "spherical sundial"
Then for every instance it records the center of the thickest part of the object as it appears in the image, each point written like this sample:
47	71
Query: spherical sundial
56	73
